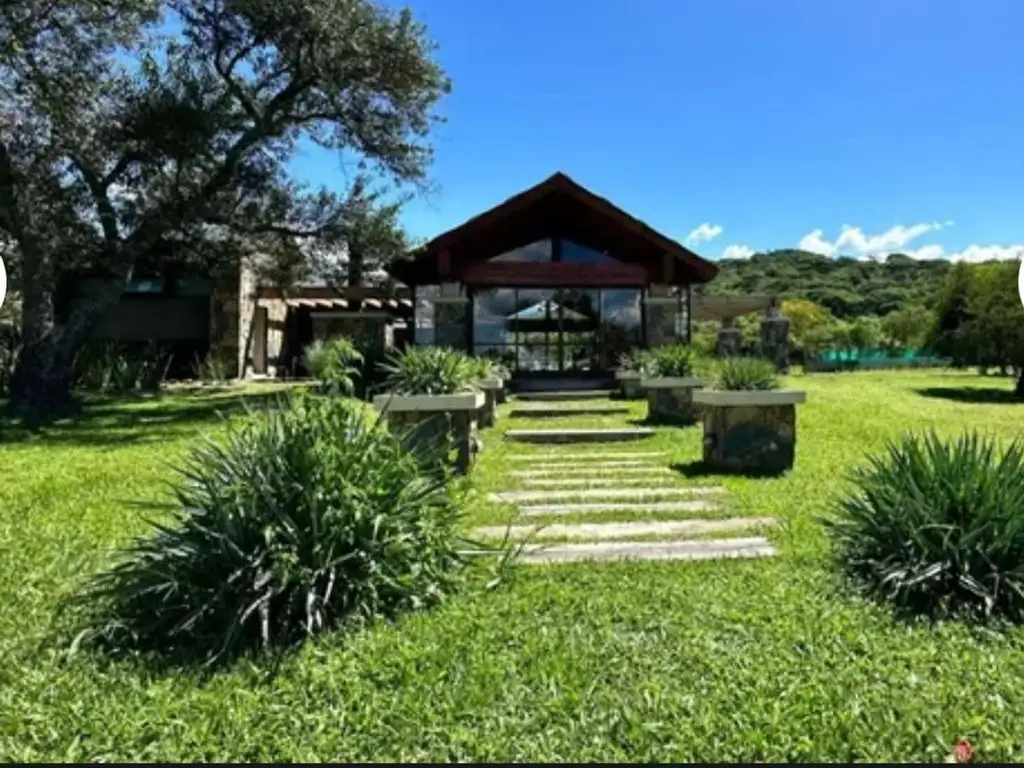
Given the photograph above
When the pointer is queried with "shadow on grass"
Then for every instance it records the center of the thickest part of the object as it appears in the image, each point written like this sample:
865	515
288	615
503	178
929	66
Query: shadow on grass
134	419
647	421
700	469
978	395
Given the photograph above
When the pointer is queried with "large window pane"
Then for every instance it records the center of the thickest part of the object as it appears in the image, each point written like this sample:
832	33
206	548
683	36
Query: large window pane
574	253
538	251
424	314
622	322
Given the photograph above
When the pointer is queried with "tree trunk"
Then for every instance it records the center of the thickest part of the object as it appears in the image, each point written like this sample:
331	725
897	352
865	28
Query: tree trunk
41	382
1019	390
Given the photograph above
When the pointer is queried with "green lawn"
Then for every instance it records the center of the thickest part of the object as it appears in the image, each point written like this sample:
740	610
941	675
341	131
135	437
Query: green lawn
735	660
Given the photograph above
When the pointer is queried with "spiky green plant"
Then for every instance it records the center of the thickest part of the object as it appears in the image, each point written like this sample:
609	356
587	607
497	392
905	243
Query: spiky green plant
113	367
429	371
671	361
211	369
484	367
334	363
936	527
308	517
745	373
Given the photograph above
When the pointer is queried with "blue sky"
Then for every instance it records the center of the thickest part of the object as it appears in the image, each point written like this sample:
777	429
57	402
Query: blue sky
771	122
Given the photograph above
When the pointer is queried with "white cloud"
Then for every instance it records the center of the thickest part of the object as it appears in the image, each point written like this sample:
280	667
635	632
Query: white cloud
816	243
976	253
738	252
706	232
853	241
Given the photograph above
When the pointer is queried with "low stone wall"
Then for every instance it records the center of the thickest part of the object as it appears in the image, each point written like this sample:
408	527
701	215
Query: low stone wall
749	438
438	435
671	406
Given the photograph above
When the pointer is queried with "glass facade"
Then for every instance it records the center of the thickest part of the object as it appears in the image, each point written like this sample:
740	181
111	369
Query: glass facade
556	329
547	329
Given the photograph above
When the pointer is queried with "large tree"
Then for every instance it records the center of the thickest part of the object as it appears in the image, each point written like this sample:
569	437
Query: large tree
136	134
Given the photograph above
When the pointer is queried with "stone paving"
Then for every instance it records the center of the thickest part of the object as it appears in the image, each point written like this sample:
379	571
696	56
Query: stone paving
561	481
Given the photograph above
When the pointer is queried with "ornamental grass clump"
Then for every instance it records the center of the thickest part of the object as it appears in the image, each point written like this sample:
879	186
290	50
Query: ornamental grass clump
308	518
745	374
936	527
674	361
430	371
335	364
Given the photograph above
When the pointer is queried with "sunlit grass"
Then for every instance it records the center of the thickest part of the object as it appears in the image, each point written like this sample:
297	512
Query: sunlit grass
736	660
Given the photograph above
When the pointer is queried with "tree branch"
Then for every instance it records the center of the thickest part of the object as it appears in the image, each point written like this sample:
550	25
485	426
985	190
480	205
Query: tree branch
108	217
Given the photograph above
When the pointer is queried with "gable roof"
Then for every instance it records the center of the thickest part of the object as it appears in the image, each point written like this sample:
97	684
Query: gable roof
556	185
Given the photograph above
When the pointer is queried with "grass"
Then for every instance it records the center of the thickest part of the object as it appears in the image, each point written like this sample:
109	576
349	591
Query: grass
737	660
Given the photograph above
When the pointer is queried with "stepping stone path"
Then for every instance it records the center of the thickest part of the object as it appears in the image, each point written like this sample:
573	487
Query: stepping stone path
561	482
555	411
578	435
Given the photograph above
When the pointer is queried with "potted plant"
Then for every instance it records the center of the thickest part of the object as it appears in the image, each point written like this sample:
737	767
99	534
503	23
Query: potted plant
628	374
669	381
749	423
432	399
493	386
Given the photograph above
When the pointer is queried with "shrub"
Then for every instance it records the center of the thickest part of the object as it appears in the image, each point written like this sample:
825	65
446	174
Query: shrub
483	367
672	361
746	373
937	527
334	364
211	370
308	518
430	371
111	367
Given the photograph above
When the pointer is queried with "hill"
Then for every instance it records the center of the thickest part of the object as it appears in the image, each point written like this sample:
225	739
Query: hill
848	287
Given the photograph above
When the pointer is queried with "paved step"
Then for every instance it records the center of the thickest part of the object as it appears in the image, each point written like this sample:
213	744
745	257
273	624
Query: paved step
702	549
579	435
550	411
595	482
625	530
613	456
564	395
590	508
590	470
636	494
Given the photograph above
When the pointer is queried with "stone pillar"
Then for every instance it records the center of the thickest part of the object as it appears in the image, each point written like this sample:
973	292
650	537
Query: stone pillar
775	338
224	321
728	342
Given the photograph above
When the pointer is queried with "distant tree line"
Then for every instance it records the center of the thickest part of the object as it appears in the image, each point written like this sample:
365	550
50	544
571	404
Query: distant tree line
969	313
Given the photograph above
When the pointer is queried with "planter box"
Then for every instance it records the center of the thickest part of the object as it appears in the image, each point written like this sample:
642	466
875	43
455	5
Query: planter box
494	389
629	382
749	431
670	400
436	424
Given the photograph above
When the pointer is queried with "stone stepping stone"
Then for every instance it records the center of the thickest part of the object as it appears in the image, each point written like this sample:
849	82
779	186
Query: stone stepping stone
590	508
565	395
636	494
548	411
625	530
617	455
594	482
579	435
590	470
700	549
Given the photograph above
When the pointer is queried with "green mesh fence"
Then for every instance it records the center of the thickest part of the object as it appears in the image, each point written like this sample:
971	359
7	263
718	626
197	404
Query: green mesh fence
847	359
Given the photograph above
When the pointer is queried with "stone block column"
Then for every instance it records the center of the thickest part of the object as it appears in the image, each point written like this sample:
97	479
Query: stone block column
728	342
775	338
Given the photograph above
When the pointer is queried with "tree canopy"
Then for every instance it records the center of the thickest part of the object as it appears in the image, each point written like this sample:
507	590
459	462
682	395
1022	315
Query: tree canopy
846	287
135	134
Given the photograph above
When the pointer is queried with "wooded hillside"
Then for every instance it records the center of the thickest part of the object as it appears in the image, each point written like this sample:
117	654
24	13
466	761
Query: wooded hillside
847	287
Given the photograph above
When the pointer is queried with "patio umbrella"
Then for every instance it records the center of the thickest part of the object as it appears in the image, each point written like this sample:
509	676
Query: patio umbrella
543	316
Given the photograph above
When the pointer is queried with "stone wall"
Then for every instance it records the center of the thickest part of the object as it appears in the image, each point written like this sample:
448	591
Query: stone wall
224	322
